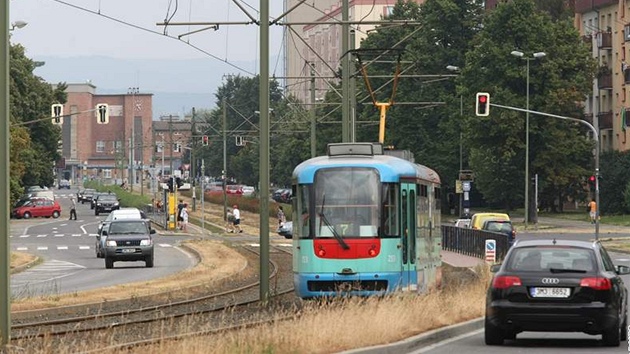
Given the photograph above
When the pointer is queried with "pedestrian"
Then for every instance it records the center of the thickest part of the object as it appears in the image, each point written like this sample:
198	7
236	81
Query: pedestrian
229	221
73	208
237	218
180	206
281	217
184	214
592	210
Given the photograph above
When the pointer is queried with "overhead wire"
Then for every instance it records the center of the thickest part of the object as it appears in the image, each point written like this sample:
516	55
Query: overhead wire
155	32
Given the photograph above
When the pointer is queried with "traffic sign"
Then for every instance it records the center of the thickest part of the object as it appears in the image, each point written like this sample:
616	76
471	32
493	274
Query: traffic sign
491	251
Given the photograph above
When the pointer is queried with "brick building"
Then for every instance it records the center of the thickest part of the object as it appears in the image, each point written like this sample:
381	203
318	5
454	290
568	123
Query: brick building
103	151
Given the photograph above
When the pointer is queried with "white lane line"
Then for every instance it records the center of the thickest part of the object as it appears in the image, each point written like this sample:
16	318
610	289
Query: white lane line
22	248
164	245
42	235
623	259
76	235
25	236
84	247
62	247
93	235
58	235
42	248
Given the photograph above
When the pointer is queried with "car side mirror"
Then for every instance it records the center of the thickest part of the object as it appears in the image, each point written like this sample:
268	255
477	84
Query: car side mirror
152	231
495	268
104	233
621	269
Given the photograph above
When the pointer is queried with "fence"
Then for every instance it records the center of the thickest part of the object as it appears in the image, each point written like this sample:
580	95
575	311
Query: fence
472	242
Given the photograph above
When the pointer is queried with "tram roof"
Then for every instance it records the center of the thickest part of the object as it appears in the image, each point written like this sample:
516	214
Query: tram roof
390	168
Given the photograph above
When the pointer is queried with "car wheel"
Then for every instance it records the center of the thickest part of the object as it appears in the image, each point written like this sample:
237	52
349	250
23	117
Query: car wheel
492	334
55	214
612	336
109	263
26	215
149	261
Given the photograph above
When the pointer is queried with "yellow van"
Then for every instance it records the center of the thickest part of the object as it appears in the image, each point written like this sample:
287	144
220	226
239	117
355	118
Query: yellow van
479	218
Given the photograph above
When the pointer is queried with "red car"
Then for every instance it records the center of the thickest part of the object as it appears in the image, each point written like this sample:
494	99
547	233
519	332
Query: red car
38	207
234	189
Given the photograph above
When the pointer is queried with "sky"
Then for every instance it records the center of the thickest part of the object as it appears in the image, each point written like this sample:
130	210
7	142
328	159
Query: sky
127	32
58	28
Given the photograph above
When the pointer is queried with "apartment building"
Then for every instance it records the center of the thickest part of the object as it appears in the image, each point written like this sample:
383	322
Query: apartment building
313	40
103	151
605	26
172	135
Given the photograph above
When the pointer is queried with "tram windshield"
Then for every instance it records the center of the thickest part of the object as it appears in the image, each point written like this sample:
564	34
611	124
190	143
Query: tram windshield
346	202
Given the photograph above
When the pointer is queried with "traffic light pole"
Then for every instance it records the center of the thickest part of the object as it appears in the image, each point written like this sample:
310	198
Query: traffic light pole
5	252
597	148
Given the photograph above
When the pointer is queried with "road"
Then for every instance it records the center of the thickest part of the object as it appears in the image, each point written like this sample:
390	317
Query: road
69	259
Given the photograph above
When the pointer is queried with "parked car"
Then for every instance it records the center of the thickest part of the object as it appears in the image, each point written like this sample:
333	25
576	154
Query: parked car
128	241
556	285
501	226
119	214
477	220
282	195
38	207
44	193
234	189
462	223
64	183
36	188
286	230
248	191
105	203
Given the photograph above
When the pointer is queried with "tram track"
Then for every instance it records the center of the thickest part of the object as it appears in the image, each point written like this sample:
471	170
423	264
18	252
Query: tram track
220	309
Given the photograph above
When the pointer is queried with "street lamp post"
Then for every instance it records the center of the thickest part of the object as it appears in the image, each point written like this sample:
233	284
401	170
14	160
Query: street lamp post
18	24
535	56
461	148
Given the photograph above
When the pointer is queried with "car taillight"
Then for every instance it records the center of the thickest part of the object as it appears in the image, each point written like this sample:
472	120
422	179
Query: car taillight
596	283
505	281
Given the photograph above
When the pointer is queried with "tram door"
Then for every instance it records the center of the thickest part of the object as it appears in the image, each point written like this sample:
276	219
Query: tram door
408	235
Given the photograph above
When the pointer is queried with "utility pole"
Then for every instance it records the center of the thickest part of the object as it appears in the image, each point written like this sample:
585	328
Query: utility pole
353	93
5	253
224	174
264	150
312	111
192	161
345	72
170	140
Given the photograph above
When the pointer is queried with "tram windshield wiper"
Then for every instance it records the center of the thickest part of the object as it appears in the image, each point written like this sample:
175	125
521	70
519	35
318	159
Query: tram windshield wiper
322	217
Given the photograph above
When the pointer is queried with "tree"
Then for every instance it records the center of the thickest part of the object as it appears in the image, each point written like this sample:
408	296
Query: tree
34	146
559	152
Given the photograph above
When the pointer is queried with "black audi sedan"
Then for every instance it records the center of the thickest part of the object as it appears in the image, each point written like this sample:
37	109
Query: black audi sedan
557	286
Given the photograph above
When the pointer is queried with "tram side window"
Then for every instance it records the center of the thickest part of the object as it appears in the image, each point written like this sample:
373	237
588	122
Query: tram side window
390	210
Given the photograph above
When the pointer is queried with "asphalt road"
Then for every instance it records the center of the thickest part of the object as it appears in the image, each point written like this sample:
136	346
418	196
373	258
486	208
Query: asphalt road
69	259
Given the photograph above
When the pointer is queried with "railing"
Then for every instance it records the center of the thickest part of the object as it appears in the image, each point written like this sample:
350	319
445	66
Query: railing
605	120
472	242
604	81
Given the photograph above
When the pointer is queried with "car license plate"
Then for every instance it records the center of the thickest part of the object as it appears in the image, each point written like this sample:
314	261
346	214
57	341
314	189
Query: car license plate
550	292
128	250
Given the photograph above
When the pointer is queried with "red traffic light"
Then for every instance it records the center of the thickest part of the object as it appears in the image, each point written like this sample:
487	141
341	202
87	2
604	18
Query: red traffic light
482	105
483	99
591	179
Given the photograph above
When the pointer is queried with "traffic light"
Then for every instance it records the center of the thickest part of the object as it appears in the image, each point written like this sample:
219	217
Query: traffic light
591	181
102	113
204	140
169	183
56	111
179	182
482	105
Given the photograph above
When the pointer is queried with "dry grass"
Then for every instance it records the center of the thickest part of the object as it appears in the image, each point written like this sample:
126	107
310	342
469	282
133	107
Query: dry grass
350	323
213	268
20	259
618	244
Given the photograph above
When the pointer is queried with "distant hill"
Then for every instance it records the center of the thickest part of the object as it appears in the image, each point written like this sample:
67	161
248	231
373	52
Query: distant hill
177	85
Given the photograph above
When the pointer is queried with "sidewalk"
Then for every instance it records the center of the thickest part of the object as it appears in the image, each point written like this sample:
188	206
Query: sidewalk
460	260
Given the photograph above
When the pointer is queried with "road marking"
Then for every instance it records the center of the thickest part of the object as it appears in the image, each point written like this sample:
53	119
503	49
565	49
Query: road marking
284	245
40	235
58	235
62	247
76	235
42	248
22	248
93	235
164	245
24	236
84	247
623	259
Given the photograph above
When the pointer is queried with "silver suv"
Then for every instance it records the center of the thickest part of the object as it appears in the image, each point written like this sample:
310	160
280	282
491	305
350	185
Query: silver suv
128	241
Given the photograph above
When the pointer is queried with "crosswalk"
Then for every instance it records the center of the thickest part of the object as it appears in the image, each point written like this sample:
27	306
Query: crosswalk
53	235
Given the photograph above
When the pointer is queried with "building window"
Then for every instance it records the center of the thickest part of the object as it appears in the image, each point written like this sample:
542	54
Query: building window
118	146
107	173
177	147
388	11
159	147
100	146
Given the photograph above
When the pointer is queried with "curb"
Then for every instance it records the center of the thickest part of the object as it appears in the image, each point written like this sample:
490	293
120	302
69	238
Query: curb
422	340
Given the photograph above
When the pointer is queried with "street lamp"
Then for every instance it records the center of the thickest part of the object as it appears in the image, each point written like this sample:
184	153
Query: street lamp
18	24
461	154
522	56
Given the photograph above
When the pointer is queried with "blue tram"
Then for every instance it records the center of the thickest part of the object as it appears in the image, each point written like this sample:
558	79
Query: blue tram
365	222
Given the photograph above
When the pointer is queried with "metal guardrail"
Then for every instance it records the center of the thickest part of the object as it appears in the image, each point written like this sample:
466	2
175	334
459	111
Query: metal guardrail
472	242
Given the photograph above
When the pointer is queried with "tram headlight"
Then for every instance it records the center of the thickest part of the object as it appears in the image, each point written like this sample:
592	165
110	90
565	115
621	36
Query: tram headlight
321	252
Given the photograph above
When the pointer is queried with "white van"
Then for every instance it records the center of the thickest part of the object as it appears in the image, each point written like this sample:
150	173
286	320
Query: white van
119	214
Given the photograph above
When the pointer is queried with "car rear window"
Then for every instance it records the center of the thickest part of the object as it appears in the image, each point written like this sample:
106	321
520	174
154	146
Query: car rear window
544	258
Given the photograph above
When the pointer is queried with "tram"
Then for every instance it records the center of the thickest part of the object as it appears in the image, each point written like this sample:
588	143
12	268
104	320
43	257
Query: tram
365	222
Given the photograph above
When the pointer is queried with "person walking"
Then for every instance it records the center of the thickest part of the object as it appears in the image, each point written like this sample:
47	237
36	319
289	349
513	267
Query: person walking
592	210
237	218
180	206
184	214
229	222
281	217
73	208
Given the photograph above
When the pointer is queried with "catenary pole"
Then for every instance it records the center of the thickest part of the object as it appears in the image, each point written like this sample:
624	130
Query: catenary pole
345	72
5	256
264	151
